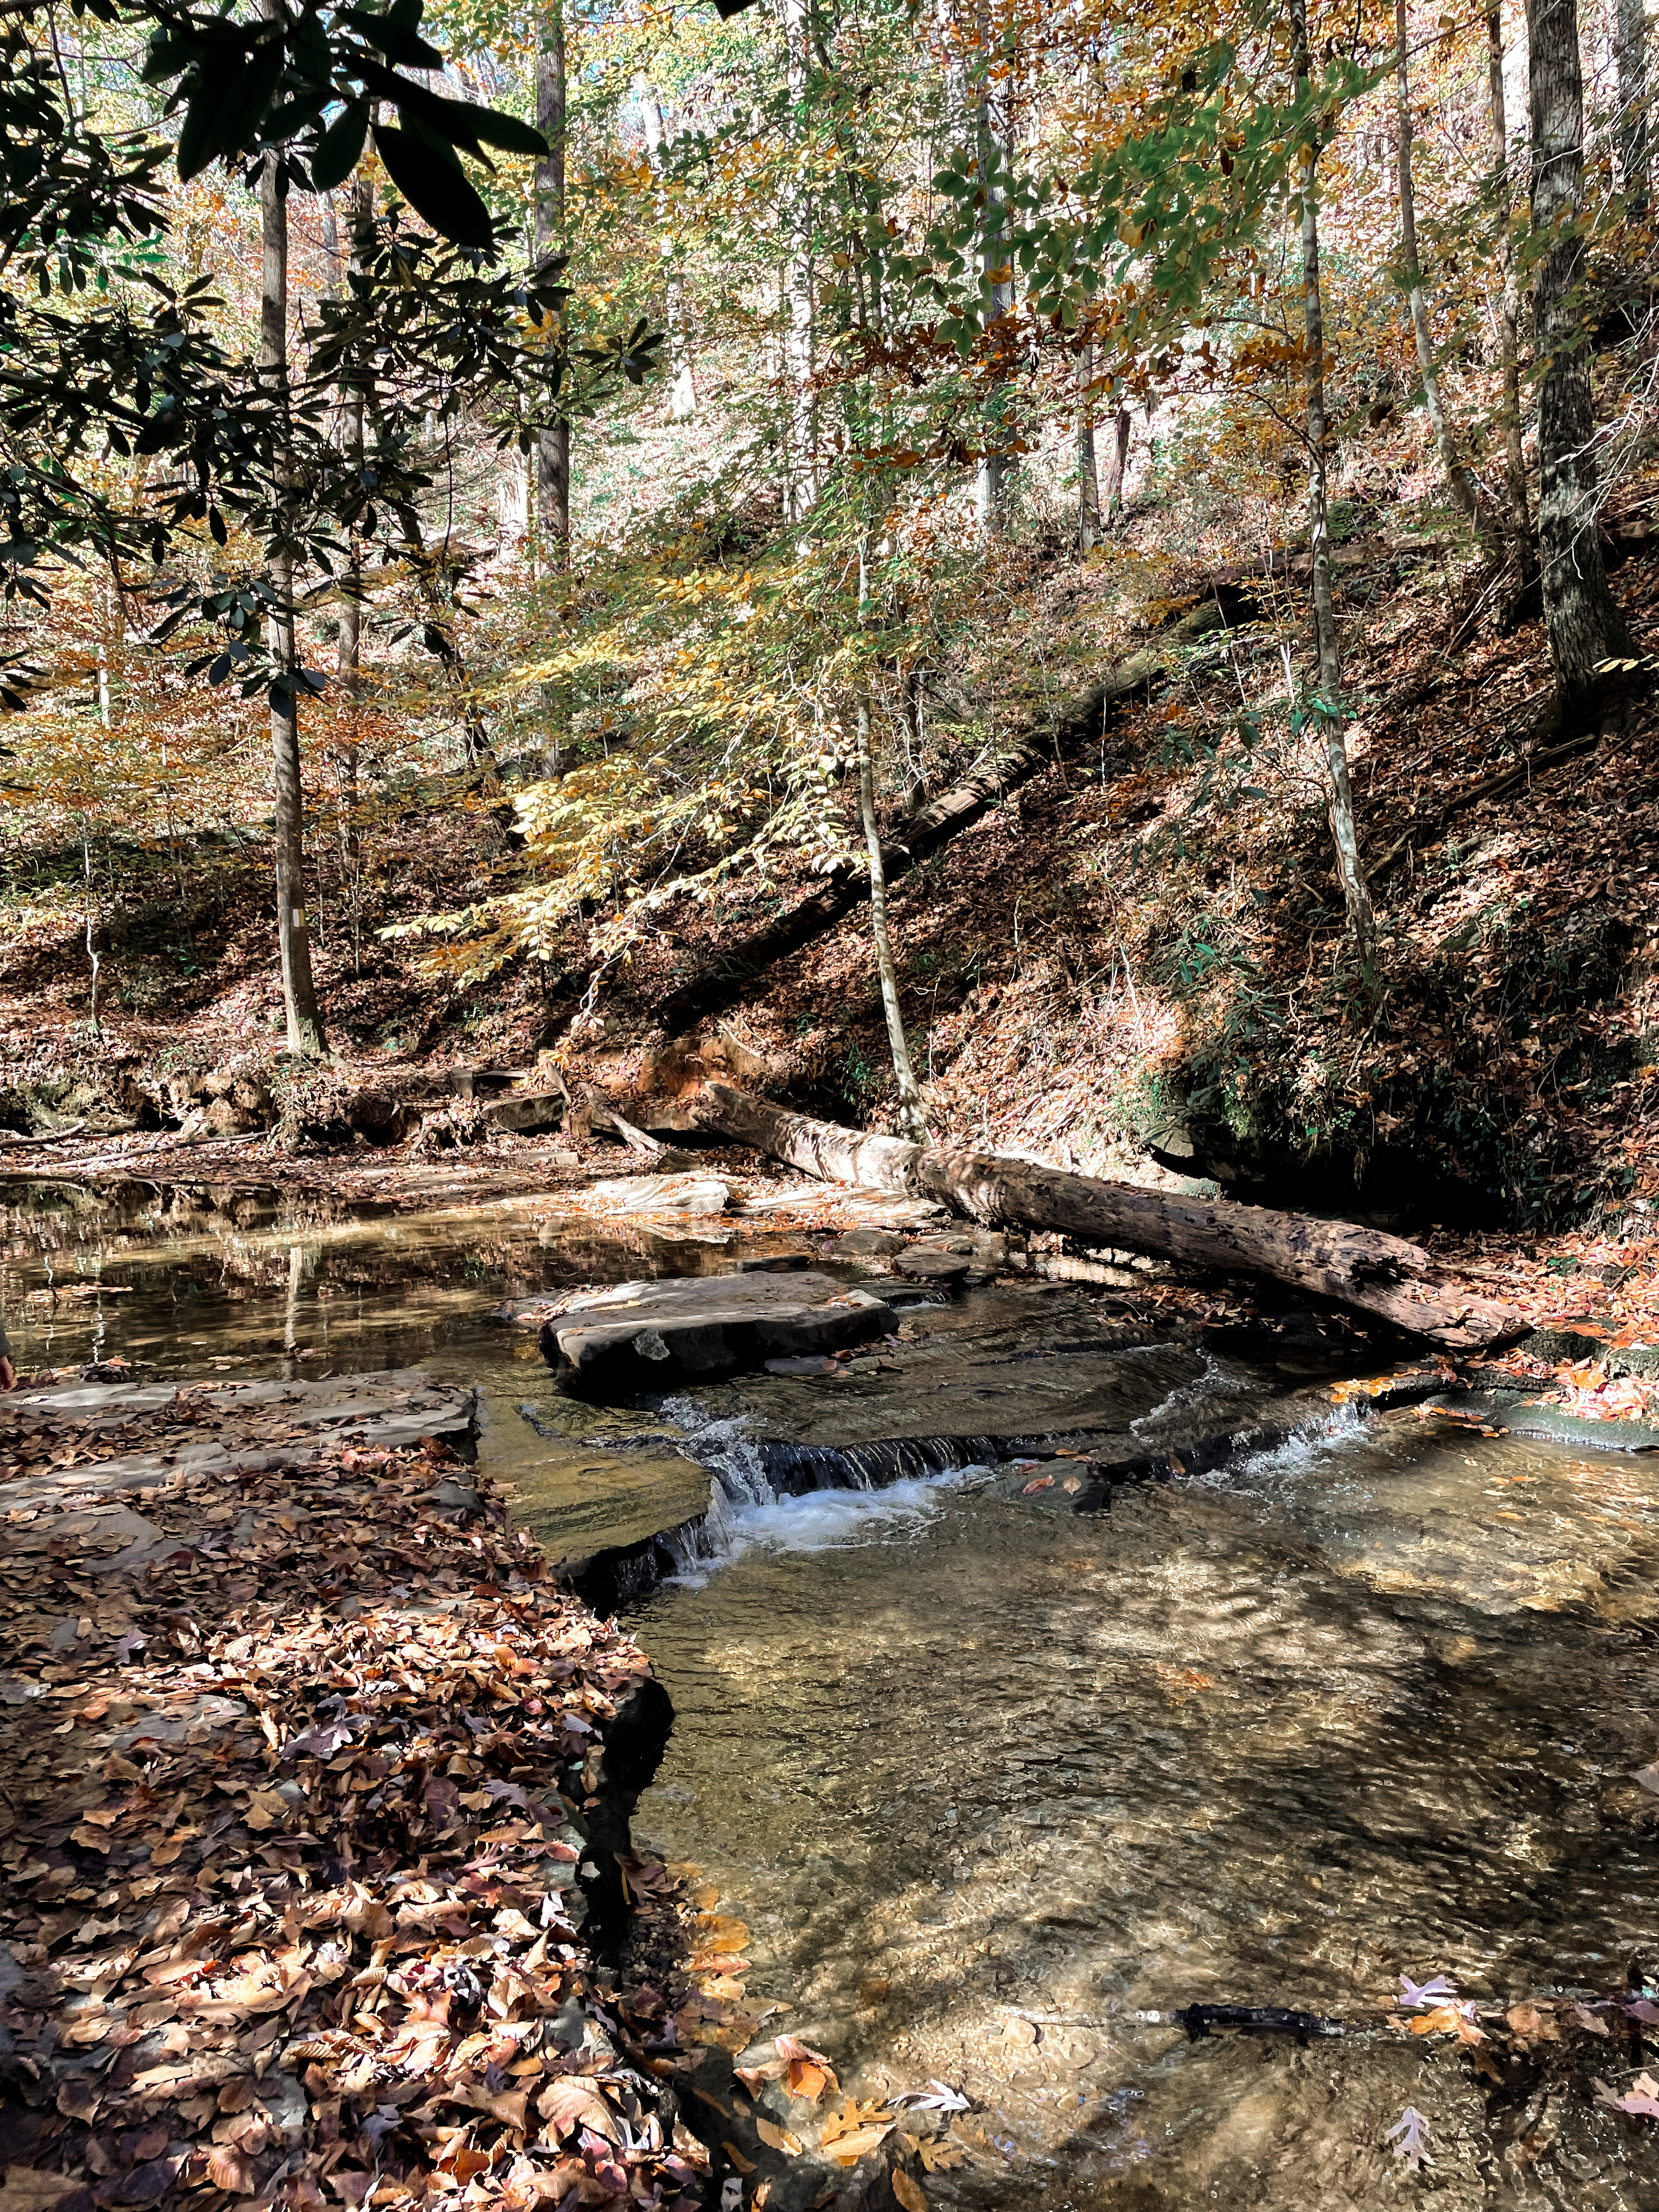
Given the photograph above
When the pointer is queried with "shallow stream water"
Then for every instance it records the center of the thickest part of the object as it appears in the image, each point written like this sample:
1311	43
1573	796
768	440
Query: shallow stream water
997	1789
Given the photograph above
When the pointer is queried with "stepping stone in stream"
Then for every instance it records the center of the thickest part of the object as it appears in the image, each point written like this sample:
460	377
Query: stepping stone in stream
924	1266
656	1334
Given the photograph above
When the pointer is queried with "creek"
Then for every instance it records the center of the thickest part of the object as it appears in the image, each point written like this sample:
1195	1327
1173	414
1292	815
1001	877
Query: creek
999	1787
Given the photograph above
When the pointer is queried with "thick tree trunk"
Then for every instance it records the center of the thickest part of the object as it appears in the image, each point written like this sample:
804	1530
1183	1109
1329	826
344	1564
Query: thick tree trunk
305	1027
1358	1267
1459	480
552	444
727	977
1585	625
1344	834
1523	548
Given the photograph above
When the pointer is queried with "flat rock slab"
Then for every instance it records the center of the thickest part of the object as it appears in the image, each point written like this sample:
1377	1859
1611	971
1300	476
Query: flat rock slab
1516	1415
1008	1371
645	1195
656	1333
131	1436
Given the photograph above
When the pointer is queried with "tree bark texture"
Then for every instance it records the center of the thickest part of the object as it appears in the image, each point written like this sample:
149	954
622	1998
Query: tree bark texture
1117	467
1585	625
729	974
1344	834
305	1027
1523	547
1358	1267
552	444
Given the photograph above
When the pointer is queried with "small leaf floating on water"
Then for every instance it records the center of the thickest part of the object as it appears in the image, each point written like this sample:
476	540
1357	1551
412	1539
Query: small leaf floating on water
937	2097
1411	2128
810	2072
1641	2099
1412	1994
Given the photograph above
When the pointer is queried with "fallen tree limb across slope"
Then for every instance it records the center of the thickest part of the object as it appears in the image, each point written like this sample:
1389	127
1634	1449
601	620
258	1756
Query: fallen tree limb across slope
725	976
1363	1268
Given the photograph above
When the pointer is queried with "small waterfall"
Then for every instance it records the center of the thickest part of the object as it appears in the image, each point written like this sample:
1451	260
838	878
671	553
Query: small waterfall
726	1449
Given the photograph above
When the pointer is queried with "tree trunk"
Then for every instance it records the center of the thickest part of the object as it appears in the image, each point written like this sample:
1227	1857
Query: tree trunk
305	1027
1524	549
1116	466
682	387
1087	477
800	485
1585	625
1358	1267
1344	834
1459	482
552	444
1632	137
997	290
912	1116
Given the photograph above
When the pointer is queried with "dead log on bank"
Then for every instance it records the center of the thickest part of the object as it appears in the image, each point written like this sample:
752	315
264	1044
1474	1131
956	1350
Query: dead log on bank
1363	1268
728	973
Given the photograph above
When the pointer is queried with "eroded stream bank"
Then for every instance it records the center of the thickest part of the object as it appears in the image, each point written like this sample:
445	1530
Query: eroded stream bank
993	1781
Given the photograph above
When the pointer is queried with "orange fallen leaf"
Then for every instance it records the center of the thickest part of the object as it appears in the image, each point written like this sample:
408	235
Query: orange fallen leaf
910	2194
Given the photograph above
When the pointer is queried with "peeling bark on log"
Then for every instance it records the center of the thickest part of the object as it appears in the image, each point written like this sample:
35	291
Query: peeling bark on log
729	973
1363	1268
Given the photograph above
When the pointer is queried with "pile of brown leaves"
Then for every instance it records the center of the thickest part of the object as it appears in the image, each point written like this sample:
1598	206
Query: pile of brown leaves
295	1840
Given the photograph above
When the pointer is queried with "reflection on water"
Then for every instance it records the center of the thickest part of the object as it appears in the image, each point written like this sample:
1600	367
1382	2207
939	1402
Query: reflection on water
995	1789
204	1284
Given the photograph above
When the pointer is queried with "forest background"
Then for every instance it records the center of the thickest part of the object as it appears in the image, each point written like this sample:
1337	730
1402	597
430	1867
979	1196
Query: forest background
1200	441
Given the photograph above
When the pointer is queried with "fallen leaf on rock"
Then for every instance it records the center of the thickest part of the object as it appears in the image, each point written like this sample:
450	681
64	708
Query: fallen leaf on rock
1592	2020
779	2138
810	2072
744	2165
910	2194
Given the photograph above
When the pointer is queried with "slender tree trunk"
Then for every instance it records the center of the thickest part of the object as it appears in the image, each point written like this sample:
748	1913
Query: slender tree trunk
1632	43
997	288
1524	549
912	1115
800	488
553	444
305	1027
1344	834
1087	477
682	386
1458	479
1117	464
1585	625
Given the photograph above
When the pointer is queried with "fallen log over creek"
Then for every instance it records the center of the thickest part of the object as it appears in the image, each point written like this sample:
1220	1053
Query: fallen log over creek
1363	1268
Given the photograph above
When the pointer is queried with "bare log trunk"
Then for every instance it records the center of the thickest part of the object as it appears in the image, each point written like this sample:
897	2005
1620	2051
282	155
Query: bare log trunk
1359	1267
552	444
1524	547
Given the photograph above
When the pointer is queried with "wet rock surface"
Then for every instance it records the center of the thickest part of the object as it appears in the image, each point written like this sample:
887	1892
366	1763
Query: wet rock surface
665	1332
1011	1370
